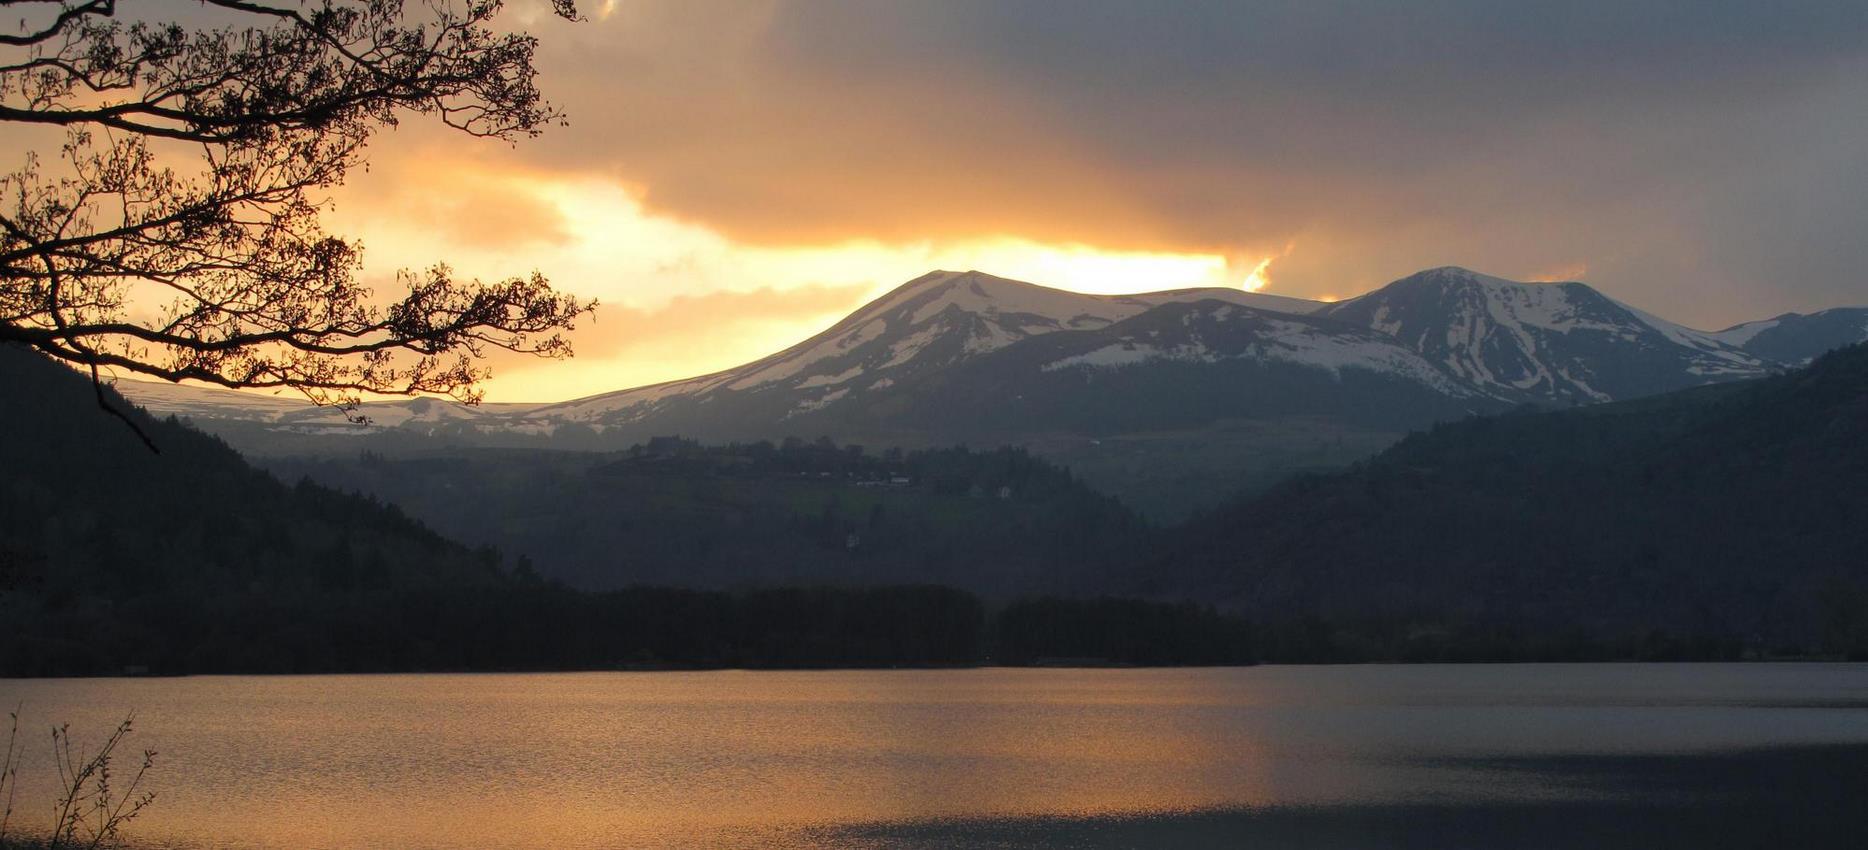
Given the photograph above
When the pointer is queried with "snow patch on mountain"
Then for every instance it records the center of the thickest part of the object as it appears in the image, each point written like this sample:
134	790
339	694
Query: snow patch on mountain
820	402
1212	332
1124	353
1741	334
910	346
1334	353
829	380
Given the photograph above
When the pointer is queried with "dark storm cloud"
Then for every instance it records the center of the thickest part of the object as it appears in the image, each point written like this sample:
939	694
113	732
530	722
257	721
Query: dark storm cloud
1701	159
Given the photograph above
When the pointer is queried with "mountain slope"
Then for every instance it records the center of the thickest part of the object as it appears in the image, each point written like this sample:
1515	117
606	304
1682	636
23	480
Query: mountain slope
113	554
1737	512
1175	366
1544	342
1170	400
1510	342
1796	338
932	322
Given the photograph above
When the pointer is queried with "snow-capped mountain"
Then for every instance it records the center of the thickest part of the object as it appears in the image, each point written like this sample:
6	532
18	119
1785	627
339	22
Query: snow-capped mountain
1178	366
1796	338
929	323
1543	342
948	353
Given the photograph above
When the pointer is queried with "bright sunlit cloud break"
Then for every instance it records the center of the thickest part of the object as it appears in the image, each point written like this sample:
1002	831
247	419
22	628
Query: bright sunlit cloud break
653	273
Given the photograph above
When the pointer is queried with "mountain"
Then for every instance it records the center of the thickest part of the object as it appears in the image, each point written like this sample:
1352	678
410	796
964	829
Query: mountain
930	323
1176	366
1168	399
1543	342
1796	338
1734	513
1470	336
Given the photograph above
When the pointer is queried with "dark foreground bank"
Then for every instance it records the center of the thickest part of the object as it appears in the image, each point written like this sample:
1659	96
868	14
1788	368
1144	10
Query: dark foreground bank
539	627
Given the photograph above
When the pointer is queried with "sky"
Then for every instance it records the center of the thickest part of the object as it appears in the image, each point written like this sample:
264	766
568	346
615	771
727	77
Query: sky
737	175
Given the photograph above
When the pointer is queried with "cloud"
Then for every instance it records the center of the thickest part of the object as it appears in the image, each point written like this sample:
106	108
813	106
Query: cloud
1643	139
678	298
457	198
1699	159
692	320
689	335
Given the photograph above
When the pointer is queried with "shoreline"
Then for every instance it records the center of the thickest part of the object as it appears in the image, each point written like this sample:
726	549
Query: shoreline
907	668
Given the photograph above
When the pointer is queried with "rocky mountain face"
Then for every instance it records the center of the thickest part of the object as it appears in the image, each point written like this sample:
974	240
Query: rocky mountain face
1543	342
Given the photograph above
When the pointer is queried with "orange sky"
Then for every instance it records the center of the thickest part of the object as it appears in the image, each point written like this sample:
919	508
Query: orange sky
680	298
738	174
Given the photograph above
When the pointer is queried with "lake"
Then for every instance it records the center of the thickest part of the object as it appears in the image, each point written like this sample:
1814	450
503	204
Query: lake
1354	756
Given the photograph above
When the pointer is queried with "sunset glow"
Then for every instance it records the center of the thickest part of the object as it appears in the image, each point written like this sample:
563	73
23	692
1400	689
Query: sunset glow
930	424
594	237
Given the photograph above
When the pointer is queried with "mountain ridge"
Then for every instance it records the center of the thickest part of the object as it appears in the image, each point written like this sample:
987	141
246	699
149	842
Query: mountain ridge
945	316
1558	341
1169	399
931	314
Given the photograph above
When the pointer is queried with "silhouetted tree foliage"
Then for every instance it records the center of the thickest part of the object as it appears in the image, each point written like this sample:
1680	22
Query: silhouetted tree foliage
176	231
1707	523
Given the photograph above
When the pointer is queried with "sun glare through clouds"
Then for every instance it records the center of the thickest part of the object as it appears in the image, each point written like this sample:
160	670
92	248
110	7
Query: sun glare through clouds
652	272
1259	277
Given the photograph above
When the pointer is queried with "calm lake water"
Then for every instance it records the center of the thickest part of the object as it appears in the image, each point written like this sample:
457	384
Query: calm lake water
1555	755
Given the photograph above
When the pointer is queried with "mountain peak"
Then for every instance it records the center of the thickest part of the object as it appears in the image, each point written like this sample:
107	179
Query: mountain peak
1540	341
948	277
1458	275
973	289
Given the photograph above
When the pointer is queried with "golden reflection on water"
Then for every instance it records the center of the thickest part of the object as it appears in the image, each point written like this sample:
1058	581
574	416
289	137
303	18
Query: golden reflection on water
722	759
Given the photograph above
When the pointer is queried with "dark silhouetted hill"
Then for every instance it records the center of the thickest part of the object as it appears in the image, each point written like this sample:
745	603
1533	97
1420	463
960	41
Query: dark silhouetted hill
1735	514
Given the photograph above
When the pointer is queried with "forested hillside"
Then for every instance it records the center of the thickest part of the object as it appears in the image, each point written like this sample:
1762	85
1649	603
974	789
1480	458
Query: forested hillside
107	545
1734	515
675	512
116	559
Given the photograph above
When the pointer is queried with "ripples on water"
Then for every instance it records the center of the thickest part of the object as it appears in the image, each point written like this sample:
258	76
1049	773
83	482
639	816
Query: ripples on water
1319	756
